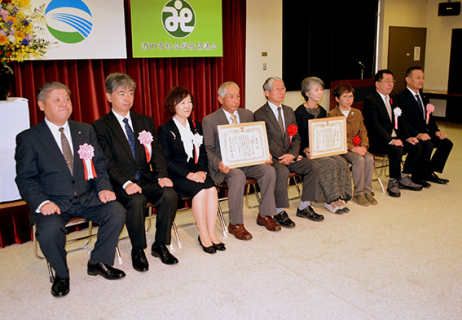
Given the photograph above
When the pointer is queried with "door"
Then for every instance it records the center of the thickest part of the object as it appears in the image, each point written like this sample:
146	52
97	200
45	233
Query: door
406	48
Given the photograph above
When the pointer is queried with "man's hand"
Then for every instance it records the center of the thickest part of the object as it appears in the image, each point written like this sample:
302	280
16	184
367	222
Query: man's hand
223	168
396	142
165	182
441	135
198	177
412	140
307	152
423	136
107	196
286	159
269	162
50	208
133	188
359	150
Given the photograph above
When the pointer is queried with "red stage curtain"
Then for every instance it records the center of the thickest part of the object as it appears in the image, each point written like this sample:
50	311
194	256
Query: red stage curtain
154	77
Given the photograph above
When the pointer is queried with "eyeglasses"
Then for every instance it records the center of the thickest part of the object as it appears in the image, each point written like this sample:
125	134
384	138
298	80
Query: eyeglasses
279	89
388	81
347	96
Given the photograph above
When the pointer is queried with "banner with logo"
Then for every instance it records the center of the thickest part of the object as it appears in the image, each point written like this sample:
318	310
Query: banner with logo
81	29
176	28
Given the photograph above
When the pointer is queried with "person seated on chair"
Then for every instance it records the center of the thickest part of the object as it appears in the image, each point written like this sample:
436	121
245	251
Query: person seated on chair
380	115
137	170
182	142
420	124
335	179
362	162
284	145
230	113
61	173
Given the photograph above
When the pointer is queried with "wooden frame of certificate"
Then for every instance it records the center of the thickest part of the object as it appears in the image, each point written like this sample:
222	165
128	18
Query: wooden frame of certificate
327	137
243	144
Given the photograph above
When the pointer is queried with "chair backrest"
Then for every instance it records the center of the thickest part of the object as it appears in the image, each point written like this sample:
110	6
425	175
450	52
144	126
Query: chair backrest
363	88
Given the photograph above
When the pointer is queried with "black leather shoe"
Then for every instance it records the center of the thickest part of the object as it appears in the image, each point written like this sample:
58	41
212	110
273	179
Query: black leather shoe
139	261
163	254
104	270
210	249
219	246
309	213
60	287
423	183
283	220
434	178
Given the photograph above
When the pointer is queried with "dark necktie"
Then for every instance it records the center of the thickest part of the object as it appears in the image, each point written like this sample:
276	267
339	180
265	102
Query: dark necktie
131	142
281	123
419	102
67	153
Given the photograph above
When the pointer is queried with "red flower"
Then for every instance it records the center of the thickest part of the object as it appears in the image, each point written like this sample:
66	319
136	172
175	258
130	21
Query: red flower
292	130
6	1
356	141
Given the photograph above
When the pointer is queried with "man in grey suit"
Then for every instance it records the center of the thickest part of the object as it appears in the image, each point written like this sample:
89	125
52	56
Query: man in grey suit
230	113
285	152
61	173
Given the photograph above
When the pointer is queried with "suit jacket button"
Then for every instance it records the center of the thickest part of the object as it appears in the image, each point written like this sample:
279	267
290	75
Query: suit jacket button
70	200
73	181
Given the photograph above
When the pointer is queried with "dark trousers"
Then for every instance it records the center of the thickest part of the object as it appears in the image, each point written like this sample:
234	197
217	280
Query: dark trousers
164	199
439	158
51	233
395	155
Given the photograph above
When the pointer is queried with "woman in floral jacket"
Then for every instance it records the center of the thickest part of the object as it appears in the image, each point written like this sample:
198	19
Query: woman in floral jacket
358	143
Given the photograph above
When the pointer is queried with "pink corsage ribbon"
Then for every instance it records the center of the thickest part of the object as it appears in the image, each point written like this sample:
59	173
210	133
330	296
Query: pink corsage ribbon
86	153
430	109
197	141
145	138
397	113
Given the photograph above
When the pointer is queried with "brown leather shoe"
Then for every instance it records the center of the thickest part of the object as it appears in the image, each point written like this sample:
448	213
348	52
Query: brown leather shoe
268	222
239	231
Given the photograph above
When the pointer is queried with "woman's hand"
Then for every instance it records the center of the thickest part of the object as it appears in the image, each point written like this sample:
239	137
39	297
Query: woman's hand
198	177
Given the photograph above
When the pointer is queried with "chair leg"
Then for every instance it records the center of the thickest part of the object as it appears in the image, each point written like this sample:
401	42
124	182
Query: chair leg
118	255
50	272
224	228
177	236
247	190
297	187
379	180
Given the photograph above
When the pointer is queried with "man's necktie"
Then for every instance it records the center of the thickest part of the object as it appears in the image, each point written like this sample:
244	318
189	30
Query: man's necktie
393	133
419	102
281	123
233	119
68	157
131	142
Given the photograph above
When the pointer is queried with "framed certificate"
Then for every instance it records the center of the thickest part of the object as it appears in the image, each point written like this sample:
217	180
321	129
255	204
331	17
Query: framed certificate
243	144
327	137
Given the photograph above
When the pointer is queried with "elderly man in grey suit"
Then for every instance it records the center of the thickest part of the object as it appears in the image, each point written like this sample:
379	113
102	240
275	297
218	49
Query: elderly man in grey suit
285	151
230	113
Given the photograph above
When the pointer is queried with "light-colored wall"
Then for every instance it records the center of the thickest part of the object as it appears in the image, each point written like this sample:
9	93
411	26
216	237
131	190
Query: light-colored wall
264	34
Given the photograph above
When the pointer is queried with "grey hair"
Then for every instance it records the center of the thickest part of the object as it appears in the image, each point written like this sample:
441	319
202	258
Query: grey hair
223	88
308	83
46	88
119	80
269	83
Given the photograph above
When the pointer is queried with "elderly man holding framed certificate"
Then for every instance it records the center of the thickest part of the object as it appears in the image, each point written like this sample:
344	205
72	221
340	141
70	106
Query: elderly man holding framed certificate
224	166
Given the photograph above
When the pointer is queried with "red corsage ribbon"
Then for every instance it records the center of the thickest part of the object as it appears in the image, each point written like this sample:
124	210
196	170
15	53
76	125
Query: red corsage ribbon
292	131
86	153
145	138
356	140
430	109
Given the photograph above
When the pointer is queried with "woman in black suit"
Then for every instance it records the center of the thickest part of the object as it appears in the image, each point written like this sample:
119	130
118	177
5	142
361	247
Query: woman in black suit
182	142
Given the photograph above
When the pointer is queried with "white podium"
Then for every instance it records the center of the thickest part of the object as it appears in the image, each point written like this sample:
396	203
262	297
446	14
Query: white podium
14	119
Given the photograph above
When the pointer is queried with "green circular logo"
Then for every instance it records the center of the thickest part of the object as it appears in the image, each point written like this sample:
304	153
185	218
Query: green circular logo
178	18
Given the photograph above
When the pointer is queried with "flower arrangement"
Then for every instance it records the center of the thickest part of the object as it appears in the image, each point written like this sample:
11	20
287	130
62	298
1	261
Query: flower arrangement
356	140
292	131
19	27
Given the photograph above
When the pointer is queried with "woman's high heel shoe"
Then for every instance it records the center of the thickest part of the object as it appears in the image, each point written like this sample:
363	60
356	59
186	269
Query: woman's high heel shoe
219	246
210	249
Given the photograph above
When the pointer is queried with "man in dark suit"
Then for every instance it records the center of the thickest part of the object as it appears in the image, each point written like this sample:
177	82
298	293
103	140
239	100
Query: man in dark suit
285	152
137	170
54	162
384	138
230	113
421	125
